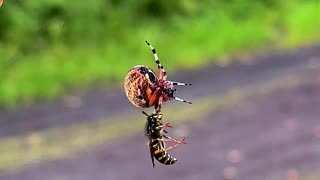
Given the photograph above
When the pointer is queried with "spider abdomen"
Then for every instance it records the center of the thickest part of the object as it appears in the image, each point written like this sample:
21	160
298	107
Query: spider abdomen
137	85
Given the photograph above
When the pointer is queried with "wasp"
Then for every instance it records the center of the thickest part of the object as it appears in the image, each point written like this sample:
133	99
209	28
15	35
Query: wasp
154	130
144	89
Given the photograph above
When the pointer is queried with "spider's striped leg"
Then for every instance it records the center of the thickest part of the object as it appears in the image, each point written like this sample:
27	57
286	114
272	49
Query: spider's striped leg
182	100
179	83
162	74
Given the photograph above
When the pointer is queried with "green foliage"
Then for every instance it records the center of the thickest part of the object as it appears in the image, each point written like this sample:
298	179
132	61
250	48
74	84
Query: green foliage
47	47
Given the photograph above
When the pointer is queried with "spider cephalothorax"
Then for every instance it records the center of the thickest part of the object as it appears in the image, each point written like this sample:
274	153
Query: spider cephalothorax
144	89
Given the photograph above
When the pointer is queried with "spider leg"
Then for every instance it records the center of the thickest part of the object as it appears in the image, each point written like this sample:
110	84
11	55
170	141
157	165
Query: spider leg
179	83
182	100
153	98
162	74
157	106
156	111
160	101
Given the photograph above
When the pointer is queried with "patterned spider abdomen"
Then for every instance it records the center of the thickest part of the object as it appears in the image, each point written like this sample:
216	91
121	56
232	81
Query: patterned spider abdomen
137	85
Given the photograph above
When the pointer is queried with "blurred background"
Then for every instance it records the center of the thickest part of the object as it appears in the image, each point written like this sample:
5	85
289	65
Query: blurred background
254	66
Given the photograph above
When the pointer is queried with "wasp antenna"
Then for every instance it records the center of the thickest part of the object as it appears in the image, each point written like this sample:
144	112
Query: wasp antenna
179	83
182	100
145	113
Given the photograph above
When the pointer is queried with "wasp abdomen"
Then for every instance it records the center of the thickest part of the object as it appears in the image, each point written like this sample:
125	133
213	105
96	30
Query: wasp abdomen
161	155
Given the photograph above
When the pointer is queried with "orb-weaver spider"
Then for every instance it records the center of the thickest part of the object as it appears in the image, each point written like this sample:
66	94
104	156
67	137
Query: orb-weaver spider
144	89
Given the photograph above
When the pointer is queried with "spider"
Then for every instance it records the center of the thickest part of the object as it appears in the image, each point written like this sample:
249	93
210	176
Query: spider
144	89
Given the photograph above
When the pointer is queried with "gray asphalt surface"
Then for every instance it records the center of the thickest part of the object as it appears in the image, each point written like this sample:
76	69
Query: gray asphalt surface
104	102
259	139
262	138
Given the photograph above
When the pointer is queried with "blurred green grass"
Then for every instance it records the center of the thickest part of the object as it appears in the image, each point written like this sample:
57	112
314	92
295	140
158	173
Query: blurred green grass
50	47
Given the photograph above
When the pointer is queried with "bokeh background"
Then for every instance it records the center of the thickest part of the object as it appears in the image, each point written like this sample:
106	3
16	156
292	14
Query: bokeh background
254	66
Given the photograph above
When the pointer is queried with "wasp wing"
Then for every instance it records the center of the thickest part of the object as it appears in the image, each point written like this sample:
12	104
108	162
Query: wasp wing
151	151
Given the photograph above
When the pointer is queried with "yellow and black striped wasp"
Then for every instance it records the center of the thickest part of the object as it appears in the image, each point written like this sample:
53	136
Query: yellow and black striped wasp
155	131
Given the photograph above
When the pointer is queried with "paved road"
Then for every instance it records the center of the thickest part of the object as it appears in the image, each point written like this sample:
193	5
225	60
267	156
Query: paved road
100	103
261	138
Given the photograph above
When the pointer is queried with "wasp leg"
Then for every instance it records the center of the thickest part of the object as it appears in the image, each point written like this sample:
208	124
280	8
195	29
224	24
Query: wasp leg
162	74
167	125
161	127
172	147
170	139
